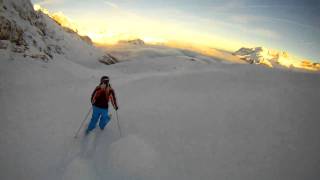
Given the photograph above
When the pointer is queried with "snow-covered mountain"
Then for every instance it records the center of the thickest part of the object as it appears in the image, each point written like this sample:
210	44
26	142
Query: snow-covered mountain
272	58
138	42
29	33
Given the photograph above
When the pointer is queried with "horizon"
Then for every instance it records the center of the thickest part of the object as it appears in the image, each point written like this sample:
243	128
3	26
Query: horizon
289	26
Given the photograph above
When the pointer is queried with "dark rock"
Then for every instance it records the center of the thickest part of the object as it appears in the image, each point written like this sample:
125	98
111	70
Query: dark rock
108	59
4	44
86	39
133	42
10	31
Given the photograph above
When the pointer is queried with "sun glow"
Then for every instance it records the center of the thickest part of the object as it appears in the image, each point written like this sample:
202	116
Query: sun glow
125	26
154	40
112	27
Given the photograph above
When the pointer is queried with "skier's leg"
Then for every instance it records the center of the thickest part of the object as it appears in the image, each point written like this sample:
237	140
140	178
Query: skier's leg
104	119
94	119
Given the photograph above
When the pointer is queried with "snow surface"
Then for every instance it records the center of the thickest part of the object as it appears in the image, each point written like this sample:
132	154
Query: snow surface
182	116
195	121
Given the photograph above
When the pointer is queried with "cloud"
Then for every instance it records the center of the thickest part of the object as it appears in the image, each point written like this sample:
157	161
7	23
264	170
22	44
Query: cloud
238	23
264	32
296	23
111	4
233	6
227	6
308	43
248	4
245	19
49	2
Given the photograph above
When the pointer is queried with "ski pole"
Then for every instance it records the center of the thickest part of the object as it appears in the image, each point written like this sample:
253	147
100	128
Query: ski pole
118	124
77	133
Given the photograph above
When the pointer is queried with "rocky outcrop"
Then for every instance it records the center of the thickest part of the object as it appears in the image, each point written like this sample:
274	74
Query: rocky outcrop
108	59
16	21
86	39
34	34
9	30
4	44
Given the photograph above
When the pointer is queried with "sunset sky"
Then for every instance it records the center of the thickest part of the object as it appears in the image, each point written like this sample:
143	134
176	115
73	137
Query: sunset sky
292	26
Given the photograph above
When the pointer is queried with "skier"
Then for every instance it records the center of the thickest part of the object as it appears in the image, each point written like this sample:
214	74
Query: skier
100	100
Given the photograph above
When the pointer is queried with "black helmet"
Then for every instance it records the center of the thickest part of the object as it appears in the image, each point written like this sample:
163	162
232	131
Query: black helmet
104	79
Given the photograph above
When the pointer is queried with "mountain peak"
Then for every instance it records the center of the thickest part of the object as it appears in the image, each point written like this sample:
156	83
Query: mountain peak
138	42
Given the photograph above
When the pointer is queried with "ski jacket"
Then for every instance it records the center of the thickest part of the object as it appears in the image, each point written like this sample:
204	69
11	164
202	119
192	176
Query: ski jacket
100	97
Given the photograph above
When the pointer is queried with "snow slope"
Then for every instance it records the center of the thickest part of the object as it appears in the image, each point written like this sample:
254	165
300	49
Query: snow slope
180	119
200	121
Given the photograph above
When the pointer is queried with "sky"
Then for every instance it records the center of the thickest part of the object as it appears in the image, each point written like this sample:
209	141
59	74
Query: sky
287	25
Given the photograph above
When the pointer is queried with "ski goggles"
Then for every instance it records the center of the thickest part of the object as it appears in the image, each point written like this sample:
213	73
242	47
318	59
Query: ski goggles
105	81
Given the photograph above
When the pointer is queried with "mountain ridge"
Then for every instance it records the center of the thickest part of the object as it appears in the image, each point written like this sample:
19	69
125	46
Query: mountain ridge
30	33
273	58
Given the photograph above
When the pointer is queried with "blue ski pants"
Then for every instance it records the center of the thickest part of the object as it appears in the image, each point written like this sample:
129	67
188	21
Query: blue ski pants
98	113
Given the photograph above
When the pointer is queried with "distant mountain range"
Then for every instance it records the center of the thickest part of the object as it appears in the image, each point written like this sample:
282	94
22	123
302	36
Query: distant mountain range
132	42
39	35
272	58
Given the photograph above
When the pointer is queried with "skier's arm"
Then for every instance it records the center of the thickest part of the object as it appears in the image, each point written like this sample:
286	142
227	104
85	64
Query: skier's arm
93	95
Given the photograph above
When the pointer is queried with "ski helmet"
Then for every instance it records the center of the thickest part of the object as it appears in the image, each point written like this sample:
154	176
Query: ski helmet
104	79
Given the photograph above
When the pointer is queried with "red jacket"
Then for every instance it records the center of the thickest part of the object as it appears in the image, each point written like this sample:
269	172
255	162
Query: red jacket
100	97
